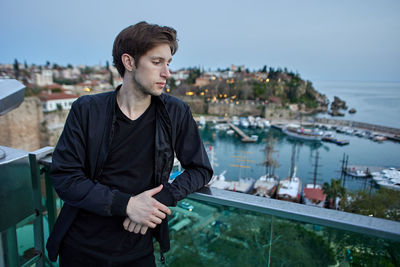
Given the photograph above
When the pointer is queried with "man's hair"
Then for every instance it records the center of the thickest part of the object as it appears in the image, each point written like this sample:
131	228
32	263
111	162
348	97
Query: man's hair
137	39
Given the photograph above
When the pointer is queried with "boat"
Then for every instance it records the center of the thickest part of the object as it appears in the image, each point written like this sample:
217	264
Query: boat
334	140
202	121
244	123
313	194
265	186
243	185
254	137
289	189
379	138
387	178
302	133
235	121
357	172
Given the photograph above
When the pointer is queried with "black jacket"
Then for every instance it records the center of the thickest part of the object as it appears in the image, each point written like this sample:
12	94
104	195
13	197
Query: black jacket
82	149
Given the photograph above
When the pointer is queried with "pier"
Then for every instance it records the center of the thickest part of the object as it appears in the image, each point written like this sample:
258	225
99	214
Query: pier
245	138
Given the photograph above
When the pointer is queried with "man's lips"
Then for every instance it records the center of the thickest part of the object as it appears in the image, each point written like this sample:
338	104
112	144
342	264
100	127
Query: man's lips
161	84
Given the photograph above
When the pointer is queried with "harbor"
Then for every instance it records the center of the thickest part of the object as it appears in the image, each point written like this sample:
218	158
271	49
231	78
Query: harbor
331	154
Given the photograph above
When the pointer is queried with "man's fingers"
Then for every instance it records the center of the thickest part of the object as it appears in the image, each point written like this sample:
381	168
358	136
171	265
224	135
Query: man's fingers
156	220
137	228
151	225
126	223
155	190
159	214
143	230
131	226
162	208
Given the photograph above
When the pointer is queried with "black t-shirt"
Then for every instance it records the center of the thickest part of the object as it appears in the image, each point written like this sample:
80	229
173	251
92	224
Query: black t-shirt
129	168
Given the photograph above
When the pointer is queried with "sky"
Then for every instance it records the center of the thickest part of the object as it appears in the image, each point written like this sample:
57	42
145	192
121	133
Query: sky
353	40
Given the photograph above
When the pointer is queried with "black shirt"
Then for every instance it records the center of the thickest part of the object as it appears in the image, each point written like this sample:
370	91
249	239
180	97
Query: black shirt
130	169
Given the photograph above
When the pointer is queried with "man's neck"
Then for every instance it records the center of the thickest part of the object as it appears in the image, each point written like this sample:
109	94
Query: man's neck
132	102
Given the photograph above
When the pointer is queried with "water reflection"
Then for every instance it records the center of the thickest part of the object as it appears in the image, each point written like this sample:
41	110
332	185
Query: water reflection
245	159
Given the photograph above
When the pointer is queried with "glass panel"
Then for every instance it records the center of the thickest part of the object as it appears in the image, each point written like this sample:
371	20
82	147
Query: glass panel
214	235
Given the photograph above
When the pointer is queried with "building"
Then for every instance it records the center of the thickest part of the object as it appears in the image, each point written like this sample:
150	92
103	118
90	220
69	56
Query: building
57	101
43	78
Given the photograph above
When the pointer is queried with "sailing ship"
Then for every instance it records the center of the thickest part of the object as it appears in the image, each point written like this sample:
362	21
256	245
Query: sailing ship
289	189
313	194
267	184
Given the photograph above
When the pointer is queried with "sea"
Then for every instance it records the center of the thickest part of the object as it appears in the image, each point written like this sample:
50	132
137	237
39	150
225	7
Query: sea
375	102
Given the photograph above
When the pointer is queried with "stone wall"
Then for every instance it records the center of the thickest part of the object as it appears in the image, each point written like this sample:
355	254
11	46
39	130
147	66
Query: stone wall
21	128
54	124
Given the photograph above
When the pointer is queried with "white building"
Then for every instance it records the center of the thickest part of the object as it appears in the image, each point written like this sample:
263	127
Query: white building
57	101
43	78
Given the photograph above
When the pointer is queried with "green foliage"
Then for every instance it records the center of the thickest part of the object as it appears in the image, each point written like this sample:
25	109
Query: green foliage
66	81
194	73
87	70
259	90
16	69
333	191
385	203
33	91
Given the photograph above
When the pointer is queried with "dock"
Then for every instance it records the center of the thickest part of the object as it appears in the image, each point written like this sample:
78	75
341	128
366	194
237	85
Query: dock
245	138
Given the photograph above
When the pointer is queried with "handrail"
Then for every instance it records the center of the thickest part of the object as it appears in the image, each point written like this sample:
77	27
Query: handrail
325	217
308	214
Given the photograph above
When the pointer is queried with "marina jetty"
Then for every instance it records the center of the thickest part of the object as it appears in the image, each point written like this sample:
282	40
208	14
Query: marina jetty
245	137
389	132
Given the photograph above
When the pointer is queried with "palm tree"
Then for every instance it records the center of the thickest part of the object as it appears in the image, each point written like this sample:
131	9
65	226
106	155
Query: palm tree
333	191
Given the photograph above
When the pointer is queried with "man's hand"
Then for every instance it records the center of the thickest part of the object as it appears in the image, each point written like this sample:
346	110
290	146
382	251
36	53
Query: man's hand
144	210
134	227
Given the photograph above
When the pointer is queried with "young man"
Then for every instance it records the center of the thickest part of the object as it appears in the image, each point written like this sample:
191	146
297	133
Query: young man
112	162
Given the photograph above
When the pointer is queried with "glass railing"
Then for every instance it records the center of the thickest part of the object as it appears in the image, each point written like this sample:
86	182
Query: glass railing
221	228
232	229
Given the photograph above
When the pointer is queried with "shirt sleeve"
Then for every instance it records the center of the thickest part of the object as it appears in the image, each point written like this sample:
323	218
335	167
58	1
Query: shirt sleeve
68	173
193	157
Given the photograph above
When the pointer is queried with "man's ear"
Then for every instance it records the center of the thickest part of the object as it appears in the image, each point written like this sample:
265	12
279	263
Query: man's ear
128	61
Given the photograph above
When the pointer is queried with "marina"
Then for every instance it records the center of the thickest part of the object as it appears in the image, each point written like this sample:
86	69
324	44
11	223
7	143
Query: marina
244	159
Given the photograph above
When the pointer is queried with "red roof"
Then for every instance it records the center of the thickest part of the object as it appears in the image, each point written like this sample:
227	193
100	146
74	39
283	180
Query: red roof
314	193
56	96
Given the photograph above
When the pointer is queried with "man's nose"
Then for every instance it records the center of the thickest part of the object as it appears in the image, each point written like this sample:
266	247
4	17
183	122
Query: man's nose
165	73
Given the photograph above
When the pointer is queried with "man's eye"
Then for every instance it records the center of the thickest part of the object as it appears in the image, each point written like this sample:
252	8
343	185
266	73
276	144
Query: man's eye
156	62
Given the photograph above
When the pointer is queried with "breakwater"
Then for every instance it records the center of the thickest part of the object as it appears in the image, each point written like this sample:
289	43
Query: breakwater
359	125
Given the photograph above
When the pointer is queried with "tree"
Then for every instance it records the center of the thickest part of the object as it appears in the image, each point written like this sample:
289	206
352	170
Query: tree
16	69
264	69
333	191
111	79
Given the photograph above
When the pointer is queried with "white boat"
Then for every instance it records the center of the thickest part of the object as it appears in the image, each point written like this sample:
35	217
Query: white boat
303	134
235	121
202	121
244	185
389	184
387	178
221	127
254	137
230	132
244	122
289	189
265	186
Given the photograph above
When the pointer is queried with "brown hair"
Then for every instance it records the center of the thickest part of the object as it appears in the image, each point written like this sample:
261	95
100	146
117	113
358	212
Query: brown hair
137	39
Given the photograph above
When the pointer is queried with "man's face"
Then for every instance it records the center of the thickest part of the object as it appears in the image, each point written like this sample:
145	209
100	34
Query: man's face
152	70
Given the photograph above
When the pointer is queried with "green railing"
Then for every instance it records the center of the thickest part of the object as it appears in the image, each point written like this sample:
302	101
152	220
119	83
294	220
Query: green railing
234	229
